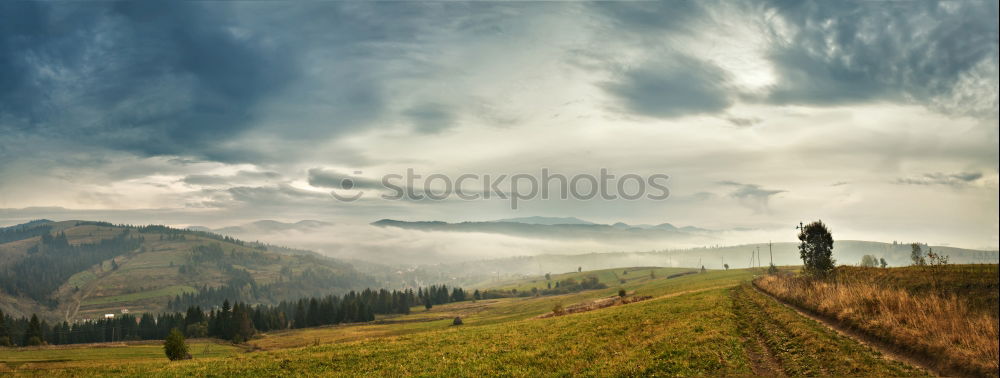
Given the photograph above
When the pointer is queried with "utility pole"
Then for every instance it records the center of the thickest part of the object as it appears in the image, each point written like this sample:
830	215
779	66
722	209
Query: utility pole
770	252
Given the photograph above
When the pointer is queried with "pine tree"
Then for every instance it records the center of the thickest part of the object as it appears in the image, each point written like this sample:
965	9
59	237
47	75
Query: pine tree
4	333
33	335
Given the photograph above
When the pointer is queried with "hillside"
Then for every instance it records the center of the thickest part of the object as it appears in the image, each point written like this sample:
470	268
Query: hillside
81	270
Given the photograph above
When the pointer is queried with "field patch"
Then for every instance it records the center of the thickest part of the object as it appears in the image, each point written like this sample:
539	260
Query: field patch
85	356
169	291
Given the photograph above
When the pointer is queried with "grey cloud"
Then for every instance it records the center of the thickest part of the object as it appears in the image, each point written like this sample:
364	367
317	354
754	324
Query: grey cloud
323	178
430	118
850	52
280	195
744	121
751	195
672	86
147	77
650	16
182	79
950	179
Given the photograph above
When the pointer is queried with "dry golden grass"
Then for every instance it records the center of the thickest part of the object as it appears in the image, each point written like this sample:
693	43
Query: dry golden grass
940	327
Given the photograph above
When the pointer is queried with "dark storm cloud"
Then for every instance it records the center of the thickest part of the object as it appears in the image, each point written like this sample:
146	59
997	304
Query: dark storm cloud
959	179
148	77
156	78
858	51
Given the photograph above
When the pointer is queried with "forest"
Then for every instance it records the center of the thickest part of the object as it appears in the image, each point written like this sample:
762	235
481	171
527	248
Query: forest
235	321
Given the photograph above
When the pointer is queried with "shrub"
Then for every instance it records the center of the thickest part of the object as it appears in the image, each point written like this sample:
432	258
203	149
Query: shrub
175	347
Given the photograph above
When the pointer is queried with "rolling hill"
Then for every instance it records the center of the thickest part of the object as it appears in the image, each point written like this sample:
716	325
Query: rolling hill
81	270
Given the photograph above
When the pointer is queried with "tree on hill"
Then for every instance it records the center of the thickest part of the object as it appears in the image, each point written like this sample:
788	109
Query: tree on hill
882	263
917	254
816	249
175	347
725	266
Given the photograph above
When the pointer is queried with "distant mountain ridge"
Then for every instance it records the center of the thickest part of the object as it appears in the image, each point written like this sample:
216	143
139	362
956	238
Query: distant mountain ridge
541	227
550	221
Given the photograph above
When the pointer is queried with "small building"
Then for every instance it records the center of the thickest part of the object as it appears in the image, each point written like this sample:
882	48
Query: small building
109	316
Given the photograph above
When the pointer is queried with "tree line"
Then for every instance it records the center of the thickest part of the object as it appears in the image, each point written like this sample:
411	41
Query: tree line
235	321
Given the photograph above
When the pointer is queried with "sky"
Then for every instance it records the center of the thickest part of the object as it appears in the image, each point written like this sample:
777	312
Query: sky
880	118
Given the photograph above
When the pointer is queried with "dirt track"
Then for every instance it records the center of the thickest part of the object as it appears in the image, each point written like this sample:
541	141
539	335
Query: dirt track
887	351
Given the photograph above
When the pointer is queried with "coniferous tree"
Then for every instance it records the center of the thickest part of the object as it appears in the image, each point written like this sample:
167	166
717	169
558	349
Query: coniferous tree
33	335
4	332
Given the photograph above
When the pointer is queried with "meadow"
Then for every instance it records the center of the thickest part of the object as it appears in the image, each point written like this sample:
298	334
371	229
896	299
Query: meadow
698	324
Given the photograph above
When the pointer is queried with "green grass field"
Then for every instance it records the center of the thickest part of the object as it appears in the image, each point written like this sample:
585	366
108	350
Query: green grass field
169	291
88	356
701	324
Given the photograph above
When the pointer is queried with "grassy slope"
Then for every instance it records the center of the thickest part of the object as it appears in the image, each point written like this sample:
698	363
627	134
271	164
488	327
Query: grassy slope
145	279
694	326
89	356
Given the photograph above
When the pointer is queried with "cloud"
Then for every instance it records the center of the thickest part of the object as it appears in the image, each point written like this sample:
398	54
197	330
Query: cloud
152	78
672	86
830	53
752	196
744	121
240	177
430	118
959	179
324	178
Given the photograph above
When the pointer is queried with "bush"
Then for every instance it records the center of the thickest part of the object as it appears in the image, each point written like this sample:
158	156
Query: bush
557	309
175	347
